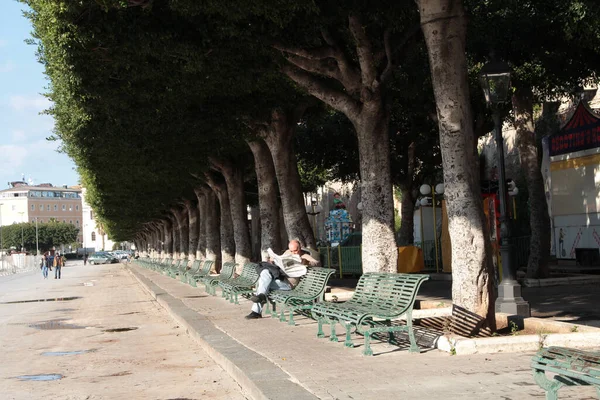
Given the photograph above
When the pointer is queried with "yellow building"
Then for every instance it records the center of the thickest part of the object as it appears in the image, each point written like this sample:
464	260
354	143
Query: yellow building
26	203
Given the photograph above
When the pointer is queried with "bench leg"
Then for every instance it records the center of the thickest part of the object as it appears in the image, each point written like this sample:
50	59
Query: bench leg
320	333
367	351
333	336
550	386
411	333
291	320
348	342
282	317
390	333
236	301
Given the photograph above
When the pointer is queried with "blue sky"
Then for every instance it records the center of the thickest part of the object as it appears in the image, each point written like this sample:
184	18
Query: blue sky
23	132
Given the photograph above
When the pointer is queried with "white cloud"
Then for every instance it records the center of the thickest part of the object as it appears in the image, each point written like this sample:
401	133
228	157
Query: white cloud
12	159
7	66
18	136
28	158
22	103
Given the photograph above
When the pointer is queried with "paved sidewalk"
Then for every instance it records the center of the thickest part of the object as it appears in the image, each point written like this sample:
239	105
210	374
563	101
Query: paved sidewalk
274	352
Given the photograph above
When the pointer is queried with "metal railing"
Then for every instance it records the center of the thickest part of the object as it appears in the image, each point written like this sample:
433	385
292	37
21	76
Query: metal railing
18	263
348	259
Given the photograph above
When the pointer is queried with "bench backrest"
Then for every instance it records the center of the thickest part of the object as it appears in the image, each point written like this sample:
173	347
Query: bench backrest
183	264
389	292
195	266
206	266
314	282
249	272
557	359
227	270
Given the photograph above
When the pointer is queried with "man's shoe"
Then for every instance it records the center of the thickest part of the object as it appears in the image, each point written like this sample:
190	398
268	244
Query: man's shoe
253	315
258	298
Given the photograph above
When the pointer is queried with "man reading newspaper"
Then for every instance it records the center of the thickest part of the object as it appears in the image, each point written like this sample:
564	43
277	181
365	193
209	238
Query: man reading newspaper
280	273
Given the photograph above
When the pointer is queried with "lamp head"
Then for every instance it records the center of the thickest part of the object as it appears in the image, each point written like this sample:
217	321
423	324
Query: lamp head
495	82
425	189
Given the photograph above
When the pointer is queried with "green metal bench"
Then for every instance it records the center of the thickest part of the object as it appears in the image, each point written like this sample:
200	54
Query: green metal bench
183	275
243	284
177	268
210	282
203	272
303	297
171	263
379	297
572	368
158	265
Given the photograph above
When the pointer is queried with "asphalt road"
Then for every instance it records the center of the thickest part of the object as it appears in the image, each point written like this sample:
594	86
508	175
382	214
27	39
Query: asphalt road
97	335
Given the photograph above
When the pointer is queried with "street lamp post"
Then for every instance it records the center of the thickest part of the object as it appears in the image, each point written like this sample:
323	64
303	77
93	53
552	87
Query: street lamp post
1	235
22	244
314	209
426	190
37	239
495	81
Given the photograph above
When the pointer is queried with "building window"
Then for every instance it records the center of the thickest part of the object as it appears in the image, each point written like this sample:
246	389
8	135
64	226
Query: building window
91	214
41	207
33	207
70	208
71	221
93	236
64	207
77	222
76	208
48	207
56	207
64	221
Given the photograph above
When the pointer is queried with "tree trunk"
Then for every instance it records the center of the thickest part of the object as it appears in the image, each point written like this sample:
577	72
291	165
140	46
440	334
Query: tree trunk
192	212
175	232
184	230
267	198
279	139
168	229
537	265
379	251
227	242
213	235
444	26
234	180
406	236
202	216
255	234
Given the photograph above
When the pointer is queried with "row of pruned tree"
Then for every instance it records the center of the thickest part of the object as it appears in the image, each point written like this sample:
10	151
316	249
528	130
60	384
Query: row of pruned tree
180	114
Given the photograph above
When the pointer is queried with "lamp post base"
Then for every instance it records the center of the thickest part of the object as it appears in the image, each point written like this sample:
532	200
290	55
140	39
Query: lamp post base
509	299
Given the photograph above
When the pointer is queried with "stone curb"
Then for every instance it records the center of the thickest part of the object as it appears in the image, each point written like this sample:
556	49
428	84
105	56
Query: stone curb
257	375
515	344
571	280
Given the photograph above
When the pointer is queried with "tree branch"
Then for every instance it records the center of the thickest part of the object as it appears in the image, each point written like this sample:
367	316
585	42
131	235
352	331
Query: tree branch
321	67
319	53
364	50
338	100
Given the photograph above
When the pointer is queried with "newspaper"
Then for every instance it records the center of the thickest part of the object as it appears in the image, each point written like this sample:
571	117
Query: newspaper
289	264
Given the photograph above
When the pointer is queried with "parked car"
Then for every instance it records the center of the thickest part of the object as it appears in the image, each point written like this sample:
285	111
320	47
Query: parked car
102	257
120	254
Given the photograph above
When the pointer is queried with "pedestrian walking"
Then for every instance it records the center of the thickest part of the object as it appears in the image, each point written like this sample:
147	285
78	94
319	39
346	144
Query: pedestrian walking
44	265
59	262
84	259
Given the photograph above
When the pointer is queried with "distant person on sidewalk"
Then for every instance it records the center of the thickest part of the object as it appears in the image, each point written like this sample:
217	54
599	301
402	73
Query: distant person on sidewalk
44	265
85	259
271	277
59	262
